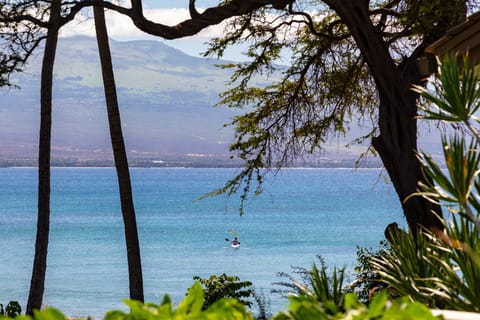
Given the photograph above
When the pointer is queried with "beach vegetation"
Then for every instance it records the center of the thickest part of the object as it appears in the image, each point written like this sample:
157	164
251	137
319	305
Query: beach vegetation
221	286
327	288
302	307
381	307
441	267
12	309
262	306
367	280
191	307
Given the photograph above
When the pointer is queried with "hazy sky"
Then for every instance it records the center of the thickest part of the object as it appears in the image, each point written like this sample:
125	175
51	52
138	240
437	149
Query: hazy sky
166	12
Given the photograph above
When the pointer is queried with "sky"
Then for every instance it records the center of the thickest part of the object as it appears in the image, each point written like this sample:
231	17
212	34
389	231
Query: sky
166	12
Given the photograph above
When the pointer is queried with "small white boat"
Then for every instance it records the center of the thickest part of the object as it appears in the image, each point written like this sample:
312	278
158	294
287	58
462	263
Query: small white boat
234	243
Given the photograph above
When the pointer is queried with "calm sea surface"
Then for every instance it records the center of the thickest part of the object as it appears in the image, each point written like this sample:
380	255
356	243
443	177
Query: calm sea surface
303	213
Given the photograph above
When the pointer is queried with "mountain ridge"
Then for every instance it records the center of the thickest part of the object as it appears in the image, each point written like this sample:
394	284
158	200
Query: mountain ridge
166	101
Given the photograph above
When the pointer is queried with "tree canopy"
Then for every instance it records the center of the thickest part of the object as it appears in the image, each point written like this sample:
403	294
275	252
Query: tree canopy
349	60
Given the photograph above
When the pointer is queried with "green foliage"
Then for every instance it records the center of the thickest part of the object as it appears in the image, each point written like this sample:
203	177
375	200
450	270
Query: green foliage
18	37
263	306
317	284
441	268
367	281
190	308
217	287
431	18
302	307
12	309
409	270
438	270
307	308
327	86
45	314
455	96
313	305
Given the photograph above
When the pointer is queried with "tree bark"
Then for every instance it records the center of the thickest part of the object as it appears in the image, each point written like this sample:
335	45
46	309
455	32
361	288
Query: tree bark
121	161
397	142
37	284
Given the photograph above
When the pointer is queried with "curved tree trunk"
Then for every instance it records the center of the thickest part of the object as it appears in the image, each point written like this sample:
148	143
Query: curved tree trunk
121	161
37	284
397	142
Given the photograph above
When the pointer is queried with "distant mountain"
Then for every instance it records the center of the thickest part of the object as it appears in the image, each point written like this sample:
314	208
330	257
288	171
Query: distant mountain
166	99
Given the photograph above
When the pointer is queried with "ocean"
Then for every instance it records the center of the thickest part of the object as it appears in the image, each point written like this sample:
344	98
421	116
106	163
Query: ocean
301	214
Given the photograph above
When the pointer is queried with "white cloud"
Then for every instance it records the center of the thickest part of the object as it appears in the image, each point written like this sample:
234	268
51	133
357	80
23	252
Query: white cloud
120	27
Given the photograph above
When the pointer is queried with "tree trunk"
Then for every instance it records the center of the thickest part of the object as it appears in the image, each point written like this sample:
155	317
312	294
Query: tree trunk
397	142
121	161
37	284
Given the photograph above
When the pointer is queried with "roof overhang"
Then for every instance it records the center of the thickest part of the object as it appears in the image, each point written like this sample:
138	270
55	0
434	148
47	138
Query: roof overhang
460	40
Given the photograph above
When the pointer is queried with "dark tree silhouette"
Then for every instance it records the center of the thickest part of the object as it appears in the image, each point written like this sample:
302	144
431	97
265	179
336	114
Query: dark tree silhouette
120	155
354	54
37	284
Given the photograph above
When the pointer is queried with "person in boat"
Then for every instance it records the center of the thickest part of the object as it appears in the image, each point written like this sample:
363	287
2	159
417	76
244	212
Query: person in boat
235	242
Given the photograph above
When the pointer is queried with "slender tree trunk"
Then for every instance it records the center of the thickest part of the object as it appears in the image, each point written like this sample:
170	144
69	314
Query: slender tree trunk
37	284
397	142
121	161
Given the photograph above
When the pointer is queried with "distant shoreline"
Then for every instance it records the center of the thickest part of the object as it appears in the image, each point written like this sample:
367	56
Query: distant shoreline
184	161
328	166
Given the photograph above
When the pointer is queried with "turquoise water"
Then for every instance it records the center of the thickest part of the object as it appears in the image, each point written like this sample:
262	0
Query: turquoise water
303	213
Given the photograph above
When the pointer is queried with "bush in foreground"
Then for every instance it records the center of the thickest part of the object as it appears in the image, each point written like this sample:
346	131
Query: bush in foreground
441	268
302	307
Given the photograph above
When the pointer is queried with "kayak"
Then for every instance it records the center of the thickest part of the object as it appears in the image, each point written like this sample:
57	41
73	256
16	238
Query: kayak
236	245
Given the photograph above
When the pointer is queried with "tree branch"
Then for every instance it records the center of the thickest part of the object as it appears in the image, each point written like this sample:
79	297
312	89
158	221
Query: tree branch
193	11
313	30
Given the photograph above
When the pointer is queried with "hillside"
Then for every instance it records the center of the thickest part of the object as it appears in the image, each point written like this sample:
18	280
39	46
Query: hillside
167	103
166	100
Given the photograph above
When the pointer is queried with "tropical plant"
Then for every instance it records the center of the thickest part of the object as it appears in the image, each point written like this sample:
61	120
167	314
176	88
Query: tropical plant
263	311
307	308
302	307
192	307
441	267
328	290
367	281
12	309
217	287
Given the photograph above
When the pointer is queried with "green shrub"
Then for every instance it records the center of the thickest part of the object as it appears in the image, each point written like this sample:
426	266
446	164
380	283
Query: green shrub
221	286
12	309
302	307
317	284
307	308
367	281
262	306
441	268
190	308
